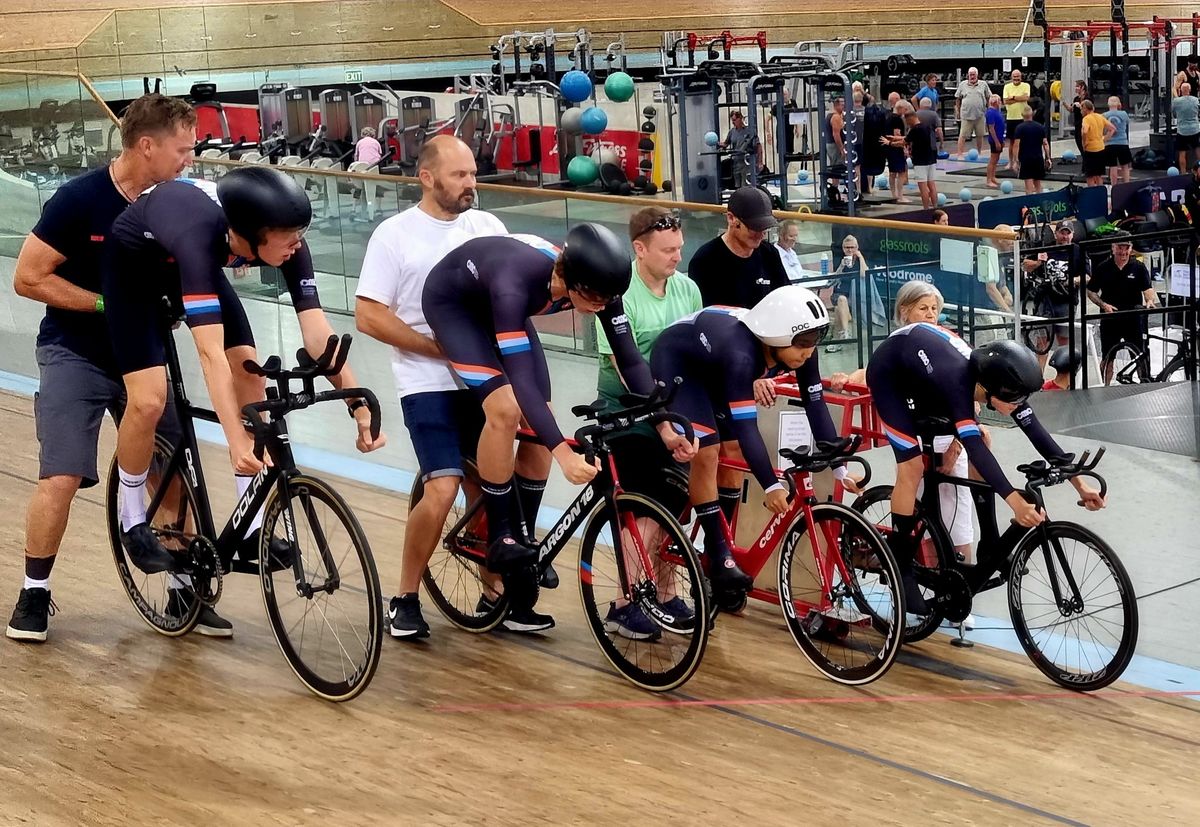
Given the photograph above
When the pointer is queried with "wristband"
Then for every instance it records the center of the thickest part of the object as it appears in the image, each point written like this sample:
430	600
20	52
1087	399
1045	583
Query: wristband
840	472
355	405
99	304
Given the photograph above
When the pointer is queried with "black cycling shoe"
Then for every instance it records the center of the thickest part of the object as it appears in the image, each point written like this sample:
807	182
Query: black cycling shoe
914	601
30	619
549	577
726	576
505	555
145	551
279	552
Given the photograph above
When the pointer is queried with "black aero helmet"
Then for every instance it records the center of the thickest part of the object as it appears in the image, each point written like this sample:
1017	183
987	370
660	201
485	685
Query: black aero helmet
1066	359
257	198
596	260
1007	370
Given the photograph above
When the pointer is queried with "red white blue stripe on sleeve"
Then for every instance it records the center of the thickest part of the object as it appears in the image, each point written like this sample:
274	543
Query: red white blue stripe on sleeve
201	304
966	428
743	410
538	243
474	375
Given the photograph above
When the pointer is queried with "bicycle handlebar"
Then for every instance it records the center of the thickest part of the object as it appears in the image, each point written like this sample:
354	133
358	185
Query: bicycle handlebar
1043	474
252	413
638	409
329	363
832	454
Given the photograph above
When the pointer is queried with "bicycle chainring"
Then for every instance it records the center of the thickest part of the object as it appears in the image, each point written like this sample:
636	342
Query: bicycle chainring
205	566
952	593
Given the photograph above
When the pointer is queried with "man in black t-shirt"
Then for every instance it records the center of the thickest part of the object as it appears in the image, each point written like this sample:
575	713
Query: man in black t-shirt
736	269
1055	275
59	265
1121	283
1032	150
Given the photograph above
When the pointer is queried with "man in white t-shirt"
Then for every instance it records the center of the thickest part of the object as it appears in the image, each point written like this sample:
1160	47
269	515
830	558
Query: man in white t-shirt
442	419
789	233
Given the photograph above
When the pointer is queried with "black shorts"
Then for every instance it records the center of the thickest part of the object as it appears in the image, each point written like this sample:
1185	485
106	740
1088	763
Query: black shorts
1119	155
141	293
1095	163
1115	331
1010	130
897	161
996	148
1185	142
892	403
1034	169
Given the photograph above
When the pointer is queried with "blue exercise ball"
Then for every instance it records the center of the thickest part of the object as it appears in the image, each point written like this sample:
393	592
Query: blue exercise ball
881	181
972	154
802	176
593	121
711	138
575	86
1006	187
964	194
1069	155
941	199
943	155
1172	170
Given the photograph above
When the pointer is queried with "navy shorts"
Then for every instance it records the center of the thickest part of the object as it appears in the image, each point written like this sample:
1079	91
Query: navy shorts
68	409
140	293
444	427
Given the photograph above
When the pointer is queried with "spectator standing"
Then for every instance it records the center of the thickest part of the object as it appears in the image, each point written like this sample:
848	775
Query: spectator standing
897	160
1121	283
1016	96
835	141
736	269
1189	74
1120	159
1096	131
931	119
1186	109
745	147
920	142
970	110
1032	150
1077	113
996	127
927	92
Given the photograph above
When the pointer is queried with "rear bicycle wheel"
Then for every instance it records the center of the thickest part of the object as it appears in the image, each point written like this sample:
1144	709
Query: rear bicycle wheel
174	524
1084	638
932	556
650	624
328	619
456	576
848	627
1126	365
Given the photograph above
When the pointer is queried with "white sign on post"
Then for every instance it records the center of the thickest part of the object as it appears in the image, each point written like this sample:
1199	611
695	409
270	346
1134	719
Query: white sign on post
1181	281
1007	64
794	433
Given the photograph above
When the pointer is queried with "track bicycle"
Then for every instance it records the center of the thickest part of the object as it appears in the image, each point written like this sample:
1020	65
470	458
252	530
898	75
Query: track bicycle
320	586
632	550
1071	601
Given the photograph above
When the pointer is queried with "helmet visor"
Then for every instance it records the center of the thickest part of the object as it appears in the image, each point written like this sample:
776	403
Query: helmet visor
811	338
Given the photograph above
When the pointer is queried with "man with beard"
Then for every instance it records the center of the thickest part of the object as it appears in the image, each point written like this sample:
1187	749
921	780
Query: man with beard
443	420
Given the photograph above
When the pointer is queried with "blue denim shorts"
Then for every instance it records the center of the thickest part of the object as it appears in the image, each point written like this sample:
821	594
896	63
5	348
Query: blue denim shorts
444	427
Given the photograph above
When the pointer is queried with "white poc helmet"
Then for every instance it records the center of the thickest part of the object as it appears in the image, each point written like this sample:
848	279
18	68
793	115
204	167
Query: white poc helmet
785	313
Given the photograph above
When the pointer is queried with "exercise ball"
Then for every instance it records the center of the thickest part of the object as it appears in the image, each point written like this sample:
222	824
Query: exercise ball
941	199
618	87
711	138
602	155
593	121
881	181
964	194
972	154
626	188
641	181
1006	187
943	155
569	122
667	186
575	86
652	188
802	176
1069	156
582	170
1172	170
910	163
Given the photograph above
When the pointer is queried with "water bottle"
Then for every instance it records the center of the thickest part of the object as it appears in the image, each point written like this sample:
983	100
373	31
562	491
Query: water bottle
824	264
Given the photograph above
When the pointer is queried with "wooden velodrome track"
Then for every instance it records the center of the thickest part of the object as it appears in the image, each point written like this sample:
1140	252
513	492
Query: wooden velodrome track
111	724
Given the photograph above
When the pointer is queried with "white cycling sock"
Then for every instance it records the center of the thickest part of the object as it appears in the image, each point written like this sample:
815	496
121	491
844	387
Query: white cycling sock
30	583
133	498
243	483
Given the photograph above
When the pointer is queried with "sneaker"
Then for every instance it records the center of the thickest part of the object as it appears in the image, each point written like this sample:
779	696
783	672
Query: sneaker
31	616
404	614
526	620
682	612
145	551
726	576
505	554
279	551
630	622
209	624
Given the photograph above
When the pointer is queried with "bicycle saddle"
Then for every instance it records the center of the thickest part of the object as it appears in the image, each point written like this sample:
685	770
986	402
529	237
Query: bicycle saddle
935	425
820	455
590	411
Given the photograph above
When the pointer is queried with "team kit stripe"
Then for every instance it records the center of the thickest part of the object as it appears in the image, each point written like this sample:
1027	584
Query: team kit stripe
585	572
514	342
702	431
898	439
201	303
743	410
474	375
967	427
538	243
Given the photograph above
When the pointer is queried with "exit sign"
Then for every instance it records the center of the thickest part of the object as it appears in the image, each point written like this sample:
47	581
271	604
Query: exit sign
354	76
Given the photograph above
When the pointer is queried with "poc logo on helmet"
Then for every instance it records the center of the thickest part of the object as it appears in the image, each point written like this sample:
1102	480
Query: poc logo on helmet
796	328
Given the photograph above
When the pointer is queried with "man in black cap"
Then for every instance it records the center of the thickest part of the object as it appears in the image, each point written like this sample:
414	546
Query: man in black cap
735	268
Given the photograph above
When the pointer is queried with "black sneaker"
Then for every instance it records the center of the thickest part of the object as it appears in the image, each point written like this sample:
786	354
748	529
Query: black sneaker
279	552
144	550
517	620
505	554
209	624
405	620
31	616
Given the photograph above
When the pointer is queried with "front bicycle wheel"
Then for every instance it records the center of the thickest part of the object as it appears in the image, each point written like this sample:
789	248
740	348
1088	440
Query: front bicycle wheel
1126	365
932	556
166	602
1073	606
325	609
643	593
1038	336
849	627
456	577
